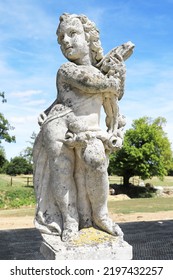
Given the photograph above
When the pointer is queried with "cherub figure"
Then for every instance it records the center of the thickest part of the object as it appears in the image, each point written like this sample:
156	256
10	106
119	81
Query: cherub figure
71	151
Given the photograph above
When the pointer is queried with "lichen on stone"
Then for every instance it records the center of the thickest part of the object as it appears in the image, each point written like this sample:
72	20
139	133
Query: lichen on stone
91	236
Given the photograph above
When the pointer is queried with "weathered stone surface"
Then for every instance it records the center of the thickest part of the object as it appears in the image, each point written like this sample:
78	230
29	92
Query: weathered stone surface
89	244
71	151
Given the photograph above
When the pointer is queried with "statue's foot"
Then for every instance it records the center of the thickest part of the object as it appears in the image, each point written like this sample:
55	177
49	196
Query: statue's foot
85	223
68	234
109	226
117	230
70	230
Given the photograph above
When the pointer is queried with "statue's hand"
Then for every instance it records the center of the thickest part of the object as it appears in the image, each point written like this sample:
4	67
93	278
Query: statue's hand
117	71
42	118
117	58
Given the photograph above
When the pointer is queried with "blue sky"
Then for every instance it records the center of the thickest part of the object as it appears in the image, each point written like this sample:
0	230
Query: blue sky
30	57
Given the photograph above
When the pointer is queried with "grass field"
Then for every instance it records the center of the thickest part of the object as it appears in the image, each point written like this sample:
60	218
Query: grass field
18	195
7	181
140	205
168	181
14	193
143	205
18	212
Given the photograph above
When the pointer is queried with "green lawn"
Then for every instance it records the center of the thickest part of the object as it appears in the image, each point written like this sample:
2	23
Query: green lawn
145	205
18	195
15	194
168	181
9	182
18	212
141	205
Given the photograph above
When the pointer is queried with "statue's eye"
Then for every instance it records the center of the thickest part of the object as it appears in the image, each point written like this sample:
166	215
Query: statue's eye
72	33
61	37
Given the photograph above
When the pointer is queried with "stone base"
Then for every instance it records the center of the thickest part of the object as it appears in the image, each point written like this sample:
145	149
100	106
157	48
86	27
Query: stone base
89	244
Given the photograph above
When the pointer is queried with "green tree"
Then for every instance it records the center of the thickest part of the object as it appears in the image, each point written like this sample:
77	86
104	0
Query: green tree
4	125
2	158
4	130
17	166
170	171
2	94
27	152
146	151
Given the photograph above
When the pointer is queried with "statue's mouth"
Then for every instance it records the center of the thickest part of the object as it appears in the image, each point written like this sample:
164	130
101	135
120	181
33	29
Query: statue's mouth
68	48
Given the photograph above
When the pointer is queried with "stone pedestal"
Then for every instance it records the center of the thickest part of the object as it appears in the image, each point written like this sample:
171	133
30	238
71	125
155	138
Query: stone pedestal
89	244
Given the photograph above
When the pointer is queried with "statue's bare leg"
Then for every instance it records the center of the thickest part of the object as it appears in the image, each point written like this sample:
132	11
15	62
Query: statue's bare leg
64	189
62	184
98	186
84	205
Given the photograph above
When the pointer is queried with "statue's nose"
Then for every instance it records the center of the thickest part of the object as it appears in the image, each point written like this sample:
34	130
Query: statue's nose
66	39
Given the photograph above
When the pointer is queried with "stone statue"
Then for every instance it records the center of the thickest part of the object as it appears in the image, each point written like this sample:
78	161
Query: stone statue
71	151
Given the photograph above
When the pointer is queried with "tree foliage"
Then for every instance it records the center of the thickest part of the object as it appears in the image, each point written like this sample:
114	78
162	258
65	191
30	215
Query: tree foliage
2	158
2	95
146	151
4	130
27	152
17	166
170	171
4	125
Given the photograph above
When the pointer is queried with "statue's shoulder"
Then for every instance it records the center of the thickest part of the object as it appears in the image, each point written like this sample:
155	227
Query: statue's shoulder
67	65
67	70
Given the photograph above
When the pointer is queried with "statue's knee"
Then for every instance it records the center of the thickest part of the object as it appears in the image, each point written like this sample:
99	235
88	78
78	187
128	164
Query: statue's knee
94	155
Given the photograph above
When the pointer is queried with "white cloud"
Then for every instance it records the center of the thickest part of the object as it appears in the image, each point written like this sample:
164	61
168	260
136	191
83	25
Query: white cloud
27	93
23	120
36	103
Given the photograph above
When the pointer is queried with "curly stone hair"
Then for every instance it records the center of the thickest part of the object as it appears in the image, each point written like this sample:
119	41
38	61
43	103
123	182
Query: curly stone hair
91	34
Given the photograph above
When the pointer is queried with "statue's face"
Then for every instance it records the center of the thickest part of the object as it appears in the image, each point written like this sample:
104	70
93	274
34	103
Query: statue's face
71	36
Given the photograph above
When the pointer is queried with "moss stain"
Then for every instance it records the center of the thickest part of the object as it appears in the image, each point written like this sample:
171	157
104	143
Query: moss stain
92	236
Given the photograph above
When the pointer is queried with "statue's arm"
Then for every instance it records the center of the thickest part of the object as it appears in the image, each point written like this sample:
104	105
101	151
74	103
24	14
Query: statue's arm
87	80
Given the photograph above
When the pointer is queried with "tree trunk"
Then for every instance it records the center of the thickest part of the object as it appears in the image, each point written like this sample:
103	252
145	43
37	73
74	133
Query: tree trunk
126	178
